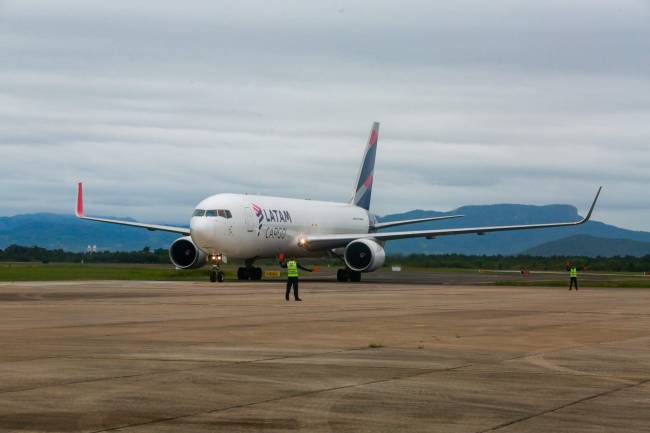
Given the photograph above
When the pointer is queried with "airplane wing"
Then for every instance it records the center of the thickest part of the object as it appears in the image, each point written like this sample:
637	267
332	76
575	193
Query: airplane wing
79	212
413	221
335	241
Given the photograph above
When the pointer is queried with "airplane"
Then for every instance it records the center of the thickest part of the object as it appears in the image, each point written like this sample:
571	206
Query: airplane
251	227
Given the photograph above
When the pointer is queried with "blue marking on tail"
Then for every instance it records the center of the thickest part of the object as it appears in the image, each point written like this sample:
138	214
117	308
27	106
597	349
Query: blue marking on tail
363	187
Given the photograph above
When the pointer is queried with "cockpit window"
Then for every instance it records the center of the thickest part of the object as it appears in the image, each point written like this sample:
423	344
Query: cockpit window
198	213
223	213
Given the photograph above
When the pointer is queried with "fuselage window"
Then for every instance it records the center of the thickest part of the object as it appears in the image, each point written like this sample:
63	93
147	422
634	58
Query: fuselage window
211	213
228	214
198	213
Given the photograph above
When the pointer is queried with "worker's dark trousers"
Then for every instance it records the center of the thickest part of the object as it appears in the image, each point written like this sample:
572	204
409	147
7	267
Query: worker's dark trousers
574	280
292	282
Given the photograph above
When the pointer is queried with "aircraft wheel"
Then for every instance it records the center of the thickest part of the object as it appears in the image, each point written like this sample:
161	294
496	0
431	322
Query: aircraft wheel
220	276
213	276
257	274
342	275
242	274
355	277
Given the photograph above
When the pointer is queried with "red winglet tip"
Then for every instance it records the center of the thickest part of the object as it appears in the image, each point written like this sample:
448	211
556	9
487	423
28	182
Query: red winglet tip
80	200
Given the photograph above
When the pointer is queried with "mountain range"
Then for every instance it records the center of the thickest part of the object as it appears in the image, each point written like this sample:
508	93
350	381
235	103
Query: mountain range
593	238
67	232
506	243
590	246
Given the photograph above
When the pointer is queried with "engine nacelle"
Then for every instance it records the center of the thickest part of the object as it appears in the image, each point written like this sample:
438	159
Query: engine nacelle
185	255
364	255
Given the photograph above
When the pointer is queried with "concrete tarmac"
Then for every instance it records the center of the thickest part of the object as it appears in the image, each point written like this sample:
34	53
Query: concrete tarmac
370	357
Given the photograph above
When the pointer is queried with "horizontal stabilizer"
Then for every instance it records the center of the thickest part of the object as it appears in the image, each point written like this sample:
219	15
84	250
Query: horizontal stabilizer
379	226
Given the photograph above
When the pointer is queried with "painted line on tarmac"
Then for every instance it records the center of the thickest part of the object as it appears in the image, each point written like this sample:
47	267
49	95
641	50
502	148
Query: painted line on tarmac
286	397
564	406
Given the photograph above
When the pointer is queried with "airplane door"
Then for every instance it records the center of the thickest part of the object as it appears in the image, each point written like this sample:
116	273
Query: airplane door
228	226
249	219
249	241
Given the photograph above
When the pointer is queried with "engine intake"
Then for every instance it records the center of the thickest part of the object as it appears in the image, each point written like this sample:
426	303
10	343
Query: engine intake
185	255
364	255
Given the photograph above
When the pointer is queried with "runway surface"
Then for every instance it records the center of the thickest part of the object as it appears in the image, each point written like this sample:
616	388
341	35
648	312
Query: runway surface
199	357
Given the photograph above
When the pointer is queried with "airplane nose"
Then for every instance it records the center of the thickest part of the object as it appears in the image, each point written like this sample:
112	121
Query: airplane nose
203	233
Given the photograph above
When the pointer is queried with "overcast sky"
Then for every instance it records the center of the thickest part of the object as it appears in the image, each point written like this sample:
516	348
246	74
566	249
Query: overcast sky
155	105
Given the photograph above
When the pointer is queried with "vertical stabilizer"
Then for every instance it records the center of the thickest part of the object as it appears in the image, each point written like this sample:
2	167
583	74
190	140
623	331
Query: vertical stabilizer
363	187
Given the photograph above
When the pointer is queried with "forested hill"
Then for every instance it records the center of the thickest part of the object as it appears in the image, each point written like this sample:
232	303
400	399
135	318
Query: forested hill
590	246
505	242
66	232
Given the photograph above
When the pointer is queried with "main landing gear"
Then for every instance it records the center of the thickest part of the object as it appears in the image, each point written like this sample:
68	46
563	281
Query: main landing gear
346	274
249	272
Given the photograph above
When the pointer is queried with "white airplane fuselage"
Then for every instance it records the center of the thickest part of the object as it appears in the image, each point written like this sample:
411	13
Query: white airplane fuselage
258	226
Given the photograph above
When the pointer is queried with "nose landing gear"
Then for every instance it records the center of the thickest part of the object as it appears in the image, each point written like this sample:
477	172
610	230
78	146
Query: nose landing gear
216	274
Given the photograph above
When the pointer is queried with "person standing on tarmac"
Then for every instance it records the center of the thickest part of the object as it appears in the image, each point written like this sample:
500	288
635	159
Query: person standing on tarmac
293	274
573	273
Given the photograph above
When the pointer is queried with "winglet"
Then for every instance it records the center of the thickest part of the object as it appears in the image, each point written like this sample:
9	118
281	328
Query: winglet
80	201
593	205
79	212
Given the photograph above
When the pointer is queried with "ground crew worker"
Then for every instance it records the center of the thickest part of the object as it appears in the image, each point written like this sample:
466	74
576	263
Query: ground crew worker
292	277
573	273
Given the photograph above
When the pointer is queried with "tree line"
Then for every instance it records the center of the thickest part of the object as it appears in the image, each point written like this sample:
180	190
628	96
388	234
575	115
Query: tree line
523	262
17	253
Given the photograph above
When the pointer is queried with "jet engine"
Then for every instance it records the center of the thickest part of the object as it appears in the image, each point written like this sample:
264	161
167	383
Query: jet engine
185	255
364	255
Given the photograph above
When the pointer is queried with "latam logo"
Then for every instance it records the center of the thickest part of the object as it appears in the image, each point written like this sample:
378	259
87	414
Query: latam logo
269	216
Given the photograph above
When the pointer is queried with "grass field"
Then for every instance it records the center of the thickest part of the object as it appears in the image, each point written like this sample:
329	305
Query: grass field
35	271
13	272
623	282
70	271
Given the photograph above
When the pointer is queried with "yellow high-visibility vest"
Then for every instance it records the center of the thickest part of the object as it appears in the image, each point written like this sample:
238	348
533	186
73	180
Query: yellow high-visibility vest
574	273
292	268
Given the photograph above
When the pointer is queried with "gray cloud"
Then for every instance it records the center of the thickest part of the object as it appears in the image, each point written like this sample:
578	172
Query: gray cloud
158	104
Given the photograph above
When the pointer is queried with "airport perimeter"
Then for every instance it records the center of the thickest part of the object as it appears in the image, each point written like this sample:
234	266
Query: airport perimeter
372	357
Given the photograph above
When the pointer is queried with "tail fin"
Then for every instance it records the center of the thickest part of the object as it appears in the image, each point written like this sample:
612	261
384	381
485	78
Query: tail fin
363	187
